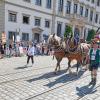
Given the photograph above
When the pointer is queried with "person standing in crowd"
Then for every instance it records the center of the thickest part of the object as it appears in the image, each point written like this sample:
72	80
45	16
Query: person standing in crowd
20	50
76	39
10	48
94	59
30	54
1	50
42	49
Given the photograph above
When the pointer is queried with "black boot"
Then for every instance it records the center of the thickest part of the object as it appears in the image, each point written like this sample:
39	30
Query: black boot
91	81
94	81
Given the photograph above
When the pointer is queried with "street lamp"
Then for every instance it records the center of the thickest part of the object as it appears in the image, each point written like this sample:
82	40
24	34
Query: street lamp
14	40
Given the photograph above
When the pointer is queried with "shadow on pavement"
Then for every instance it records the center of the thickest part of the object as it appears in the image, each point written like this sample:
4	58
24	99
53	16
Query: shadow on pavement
22	67
85	90
65	78
62	79
47	75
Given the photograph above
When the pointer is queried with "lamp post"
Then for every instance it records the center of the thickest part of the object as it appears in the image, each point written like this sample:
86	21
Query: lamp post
14	40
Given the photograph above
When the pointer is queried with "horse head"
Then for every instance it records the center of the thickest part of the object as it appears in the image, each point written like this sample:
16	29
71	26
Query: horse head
72	45
54	41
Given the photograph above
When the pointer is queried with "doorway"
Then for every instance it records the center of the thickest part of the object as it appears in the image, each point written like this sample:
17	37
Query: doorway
37	37
76	32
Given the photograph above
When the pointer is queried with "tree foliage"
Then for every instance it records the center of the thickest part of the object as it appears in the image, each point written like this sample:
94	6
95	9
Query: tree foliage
68	31
91	35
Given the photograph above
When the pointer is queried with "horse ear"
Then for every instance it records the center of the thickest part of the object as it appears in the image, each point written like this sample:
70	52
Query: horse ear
54	35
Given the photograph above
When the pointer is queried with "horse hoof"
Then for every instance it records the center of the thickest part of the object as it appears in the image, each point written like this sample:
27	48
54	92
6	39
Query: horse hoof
85	69
55	73
70	72
58	70
76	73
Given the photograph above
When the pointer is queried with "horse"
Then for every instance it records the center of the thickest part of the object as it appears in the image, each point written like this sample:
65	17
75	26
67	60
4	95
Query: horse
74	52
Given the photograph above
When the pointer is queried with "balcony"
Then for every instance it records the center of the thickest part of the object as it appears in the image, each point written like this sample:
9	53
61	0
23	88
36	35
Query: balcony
78	17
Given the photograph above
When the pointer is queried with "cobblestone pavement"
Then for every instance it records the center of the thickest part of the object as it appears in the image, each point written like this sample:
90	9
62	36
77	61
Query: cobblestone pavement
39	82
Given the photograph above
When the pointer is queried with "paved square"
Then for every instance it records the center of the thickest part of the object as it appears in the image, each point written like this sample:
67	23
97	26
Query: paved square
39	82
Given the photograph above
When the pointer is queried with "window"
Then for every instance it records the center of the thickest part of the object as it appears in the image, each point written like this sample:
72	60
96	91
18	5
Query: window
91	15
26	0
25	19
12	35
12	16
86	12
99	21
59	28
60	6
81	10
37	21
75	8
68	9
98	2
96	18
37	37
38	2
92	1
48	5
25	36
47	23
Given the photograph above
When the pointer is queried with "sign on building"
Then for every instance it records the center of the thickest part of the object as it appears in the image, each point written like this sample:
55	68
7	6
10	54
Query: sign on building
18	38
3	37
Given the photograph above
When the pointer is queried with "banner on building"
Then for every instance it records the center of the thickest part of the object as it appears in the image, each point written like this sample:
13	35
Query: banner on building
18	38
3	37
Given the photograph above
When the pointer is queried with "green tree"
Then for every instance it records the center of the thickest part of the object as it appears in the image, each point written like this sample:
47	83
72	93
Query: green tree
68	31
91	35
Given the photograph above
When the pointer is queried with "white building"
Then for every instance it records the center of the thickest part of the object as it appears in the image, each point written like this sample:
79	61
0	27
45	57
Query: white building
34	20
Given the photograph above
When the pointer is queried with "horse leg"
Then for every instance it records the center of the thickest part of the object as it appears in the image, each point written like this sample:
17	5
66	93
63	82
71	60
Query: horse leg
81	64
85	63
53	57
56	66
69	66
78	64
59	63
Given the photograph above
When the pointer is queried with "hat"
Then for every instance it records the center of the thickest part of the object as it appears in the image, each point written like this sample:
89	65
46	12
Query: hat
95	40
97	36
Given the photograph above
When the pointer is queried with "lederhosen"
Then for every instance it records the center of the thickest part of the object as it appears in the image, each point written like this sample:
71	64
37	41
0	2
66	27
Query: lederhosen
94	64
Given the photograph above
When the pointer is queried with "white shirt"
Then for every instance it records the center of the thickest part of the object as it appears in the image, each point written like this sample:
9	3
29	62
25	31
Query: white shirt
31	51
21	49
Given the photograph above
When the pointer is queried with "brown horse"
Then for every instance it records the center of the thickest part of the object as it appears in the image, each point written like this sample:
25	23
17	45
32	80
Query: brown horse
74	52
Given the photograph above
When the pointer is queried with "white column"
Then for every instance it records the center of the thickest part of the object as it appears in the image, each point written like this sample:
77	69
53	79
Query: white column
73	28
78	8
94	12
82	32
55	10
64	8
89	15
72	6
84	8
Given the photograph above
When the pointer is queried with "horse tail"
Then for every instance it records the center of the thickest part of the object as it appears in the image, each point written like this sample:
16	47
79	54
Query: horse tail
82	52
53	57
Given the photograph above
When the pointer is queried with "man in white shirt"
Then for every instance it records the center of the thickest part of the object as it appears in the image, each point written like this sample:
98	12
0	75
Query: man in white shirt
30	54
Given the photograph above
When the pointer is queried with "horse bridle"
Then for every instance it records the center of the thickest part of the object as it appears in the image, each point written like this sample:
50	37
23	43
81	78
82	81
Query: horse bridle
72	50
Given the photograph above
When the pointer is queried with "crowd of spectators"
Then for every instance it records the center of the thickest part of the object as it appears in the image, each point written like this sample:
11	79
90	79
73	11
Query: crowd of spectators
20	49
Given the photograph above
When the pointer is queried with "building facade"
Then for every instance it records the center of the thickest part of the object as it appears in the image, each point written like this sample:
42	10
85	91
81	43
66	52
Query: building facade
35	20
